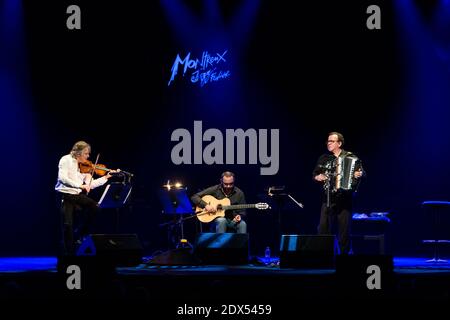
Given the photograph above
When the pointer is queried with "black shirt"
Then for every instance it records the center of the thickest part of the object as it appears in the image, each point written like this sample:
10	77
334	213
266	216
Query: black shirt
236	197
324	162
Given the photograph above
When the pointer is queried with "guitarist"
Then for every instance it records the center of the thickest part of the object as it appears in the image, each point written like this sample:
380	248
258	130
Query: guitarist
232	222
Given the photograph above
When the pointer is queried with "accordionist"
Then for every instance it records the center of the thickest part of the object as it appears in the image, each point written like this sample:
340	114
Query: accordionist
340	172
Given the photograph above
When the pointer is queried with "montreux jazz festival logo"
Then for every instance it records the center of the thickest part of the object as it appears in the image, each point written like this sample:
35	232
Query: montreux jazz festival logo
210	68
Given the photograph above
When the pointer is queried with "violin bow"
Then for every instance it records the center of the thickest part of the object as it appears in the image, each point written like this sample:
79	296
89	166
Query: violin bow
92	171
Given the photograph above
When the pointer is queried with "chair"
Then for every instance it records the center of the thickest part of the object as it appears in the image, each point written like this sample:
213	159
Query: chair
435	209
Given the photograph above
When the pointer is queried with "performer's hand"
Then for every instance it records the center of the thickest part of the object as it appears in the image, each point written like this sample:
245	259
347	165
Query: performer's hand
358	174
237	218
210	208
320	177
108	175
85	187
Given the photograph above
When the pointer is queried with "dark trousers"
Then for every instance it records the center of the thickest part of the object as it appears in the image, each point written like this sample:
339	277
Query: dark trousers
71	204
343	215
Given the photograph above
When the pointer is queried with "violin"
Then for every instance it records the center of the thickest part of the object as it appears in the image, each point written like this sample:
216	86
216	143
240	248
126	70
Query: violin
89	167
100	169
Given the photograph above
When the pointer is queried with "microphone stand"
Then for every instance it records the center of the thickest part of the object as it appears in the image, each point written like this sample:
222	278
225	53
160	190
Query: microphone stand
279	195
329	167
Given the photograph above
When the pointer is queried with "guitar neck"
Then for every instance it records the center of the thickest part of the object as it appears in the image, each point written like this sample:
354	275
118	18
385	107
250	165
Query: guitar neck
238	206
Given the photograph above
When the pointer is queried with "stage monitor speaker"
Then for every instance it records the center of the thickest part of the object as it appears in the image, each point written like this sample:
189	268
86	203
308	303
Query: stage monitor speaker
118	249
222	248
308	251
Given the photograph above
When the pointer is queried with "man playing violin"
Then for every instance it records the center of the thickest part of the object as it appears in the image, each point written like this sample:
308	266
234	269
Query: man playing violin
72	187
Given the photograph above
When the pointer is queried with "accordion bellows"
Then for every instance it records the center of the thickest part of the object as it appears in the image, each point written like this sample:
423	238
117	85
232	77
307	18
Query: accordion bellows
345	169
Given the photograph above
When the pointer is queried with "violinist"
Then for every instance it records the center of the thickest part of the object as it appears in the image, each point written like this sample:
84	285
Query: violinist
72	188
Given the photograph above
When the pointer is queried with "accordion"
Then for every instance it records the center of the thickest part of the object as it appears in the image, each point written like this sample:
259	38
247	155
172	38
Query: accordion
345	170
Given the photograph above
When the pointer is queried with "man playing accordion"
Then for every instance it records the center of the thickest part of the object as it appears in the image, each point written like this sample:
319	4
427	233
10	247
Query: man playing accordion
340	172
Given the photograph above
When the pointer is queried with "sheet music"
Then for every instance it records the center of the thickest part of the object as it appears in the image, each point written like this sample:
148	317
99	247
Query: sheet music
104	194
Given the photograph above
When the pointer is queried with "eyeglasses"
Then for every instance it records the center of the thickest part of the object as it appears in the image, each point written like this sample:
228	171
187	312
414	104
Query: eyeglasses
332	141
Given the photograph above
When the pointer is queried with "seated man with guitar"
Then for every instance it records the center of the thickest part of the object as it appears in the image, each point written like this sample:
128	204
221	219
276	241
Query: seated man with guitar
215	203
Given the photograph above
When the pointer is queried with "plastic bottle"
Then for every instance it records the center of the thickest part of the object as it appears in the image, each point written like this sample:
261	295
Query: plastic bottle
267	255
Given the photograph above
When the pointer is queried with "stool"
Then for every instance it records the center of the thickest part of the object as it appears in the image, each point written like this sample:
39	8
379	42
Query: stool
436	208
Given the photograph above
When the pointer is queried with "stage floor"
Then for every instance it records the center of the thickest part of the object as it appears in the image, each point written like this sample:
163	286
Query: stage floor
228	291
37	277
48	264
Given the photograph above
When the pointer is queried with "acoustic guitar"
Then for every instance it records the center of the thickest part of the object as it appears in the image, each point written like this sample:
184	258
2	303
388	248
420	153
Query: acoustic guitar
222	206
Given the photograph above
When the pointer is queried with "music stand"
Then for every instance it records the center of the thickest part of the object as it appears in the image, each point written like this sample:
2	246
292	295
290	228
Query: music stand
175	201
115	196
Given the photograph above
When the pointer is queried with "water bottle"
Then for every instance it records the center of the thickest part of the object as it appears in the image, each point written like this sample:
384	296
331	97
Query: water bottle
267	255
